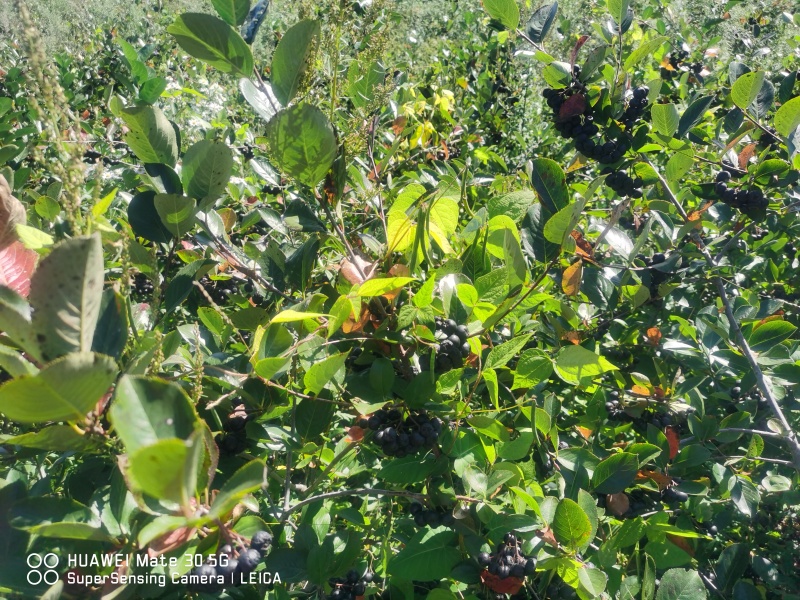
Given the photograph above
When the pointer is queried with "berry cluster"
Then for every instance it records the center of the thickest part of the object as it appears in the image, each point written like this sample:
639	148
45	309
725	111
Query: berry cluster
657	276
624	184
636	107
349	587
142	286
431	517
230	567
750	202
508	560
614	407
399	437
234	438
453	347
559	590
671	495
219	289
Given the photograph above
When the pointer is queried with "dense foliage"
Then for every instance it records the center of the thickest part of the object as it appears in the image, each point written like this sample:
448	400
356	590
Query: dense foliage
290	309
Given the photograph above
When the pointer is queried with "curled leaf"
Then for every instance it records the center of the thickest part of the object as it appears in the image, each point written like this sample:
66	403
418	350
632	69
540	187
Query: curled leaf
12	213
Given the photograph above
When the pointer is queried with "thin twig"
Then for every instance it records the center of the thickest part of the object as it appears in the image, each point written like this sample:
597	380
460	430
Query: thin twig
363	492
788	434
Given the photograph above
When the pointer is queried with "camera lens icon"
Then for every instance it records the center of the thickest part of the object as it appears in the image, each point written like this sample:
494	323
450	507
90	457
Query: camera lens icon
42	568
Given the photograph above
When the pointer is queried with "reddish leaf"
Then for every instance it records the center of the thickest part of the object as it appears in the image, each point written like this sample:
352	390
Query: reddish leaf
696	214
577	48
571	280
584	247
573	106
653	336
682	543
547	535
16	267
674	442
170	541
745	156
509	585
663	481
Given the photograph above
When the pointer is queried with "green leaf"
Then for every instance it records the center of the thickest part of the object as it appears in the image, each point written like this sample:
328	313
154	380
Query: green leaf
313	417
693	114
533	367
615	473
111	333
428	556
261	97
363	81
379	287
233	12
746	88
733	561
645	50
151	136
177	213
320	373
559	227
514	205
144	411
532	234
500	355
206	169
333	556
164	469
245	480
57	518
681	584
571	525
770	334
181	285
66	297
665	118
407	470
575	363
15	321
550	183
302	143
618	9
211	40
745	496
152	89
56	438
290	58
144	219
504	11
541	21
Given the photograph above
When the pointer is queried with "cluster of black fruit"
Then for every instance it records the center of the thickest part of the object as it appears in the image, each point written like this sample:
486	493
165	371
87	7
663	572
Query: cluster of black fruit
142	286
623	184
403	437
750	202
453	347
351	586
671	496
508	560
636	107
657	277
231	564
559	590
676	60
431	517
234	438
614	408
219	289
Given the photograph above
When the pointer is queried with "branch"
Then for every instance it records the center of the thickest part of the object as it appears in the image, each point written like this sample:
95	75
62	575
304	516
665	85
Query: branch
788	436
363	492
770	434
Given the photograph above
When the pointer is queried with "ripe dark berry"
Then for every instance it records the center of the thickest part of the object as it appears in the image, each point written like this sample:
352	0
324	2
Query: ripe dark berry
248	560
723	177
484	558
261	540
